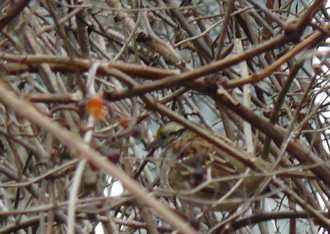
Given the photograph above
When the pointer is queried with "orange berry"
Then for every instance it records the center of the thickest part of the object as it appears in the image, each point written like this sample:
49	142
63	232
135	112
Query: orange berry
95	107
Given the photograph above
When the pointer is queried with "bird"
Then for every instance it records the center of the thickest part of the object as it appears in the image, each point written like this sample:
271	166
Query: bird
193	167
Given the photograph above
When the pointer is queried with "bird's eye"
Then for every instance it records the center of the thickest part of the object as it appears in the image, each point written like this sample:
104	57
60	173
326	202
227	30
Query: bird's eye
162	136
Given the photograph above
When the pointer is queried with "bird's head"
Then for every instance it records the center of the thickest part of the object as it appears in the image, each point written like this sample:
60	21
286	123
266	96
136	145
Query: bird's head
167	133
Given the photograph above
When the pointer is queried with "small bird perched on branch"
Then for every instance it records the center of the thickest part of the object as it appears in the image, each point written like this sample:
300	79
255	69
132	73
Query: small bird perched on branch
192	166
